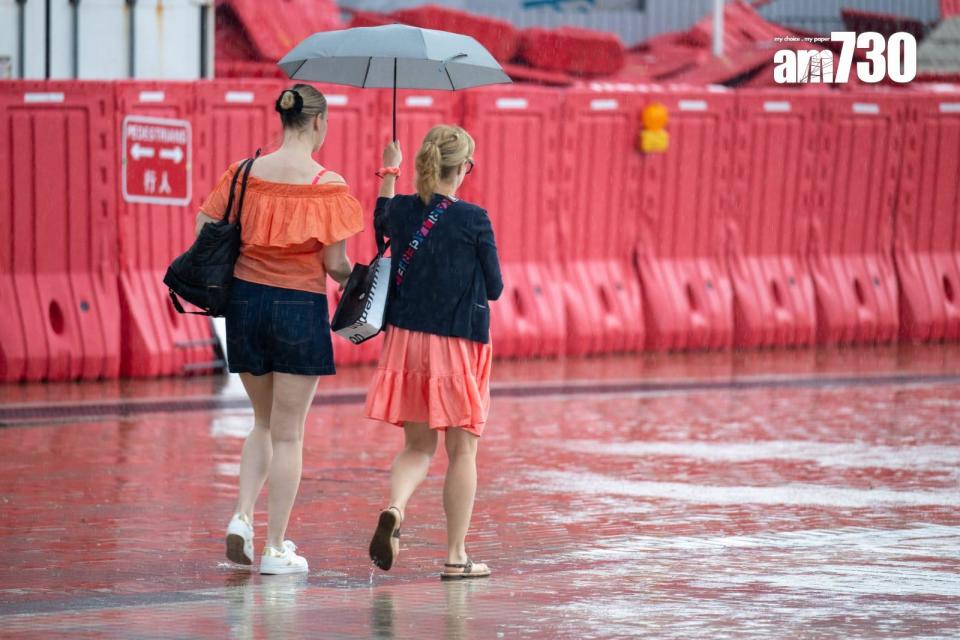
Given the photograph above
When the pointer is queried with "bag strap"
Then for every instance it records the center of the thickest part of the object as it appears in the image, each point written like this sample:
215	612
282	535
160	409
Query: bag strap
179	307
243	187
233	188
244	168
420	237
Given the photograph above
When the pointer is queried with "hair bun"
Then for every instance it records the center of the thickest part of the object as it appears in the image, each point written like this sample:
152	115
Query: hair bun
290	100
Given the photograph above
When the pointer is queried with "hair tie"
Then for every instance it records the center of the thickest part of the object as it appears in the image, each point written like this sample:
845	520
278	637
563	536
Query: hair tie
297	102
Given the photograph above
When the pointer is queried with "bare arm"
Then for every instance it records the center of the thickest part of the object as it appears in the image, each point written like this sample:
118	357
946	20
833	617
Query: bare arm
336	262
391	158
202	219
388	186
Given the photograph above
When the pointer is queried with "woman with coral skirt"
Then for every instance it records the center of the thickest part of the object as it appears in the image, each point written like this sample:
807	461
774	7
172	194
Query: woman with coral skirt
434	371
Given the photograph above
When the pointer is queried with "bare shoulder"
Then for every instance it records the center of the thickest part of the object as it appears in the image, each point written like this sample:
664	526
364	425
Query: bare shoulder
332	177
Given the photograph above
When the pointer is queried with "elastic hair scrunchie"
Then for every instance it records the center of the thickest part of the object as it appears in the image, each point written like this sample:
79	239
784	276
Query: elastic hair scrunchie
297	102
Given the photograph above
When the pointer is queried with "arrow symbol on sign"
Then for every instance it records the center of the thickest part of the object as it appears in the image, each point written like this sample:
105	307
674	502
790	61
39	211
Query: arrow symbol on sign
175	154
137	152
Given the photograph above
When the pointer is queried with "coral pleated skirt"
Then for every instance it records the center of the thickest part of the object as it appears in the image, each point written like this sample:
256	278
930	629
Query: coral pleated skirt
442	381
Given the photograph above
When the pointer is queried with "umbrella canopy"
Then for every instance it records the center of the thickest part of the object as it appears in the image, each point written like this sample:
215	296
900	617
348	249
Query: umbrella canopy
393	56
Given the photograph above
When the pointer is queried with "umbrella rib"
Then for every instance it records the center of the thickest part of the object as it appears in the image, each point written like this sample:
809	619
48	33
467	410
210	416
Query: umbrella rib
447	71
300	66
363	85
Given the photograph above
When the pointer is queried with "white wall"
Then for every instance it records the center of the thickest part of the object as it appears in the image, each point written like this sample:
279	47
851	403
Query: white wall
8	33
9	27
103	39
167	38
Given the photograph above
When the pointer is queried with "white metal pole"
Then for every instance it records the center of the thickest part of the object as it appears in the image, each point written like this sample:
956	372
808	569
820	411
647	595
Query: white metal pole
210	26
717	28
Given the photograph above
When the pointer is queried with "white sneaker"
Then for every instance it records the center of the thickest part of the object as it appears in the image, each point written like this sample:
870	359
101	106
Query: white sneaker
278	561
240	540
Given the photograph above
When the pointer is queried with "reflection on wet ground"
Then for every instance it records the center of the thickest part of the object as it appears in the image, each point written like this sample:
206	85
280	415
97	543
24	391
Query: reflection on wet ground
775	510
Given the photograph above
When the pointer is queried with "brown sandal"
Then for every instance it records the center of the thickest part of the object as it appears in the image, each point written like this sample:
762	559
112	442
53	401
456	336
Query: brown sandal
385	545
466	571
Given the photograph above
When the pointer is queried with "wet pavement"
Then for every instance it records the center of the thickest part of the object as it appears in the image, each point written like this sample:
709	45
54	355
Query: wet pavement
803	494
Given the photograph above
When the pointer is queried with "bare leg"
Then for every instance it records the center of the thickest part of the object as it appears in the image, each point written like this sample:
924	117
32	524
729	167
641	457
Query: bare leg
411	465
257	450
292	396
459	490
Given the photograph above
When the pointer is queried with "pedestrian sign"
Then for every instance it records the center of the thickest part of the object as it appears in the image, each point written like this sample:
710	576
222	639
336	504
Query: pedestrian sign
156	160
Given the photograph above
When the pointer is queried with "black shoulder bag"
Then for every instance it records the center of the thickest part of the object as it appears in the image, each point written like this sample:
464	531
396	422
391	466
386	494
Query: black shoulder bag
202	275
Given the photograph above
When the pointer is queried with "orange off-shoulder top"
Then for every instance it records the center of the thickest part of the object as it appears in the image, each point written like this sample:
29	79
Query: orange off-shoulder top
284	227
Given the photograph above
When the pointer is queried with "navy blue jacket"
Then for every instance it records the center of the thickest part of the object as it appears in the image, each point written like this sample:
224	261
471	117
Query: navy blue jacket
451	278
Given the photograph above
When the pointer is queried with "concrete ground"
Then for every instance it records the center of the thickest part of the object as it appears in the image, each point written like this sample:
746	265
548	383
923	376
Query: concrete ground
793	494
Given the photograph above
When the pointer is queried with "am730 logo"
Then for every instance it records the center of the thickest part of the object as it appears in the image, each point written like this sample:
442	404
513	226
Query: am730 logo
895	58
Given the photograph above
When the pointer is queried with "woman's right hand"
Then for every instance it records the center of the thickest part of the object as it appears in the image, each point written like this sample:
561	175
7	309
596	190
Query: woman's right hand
391	155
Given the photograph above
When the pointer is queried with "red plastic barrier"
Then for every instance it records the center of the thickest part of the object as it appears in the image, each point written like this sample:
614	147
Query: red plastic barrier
949	8
499	36
244	69
571	50
855	185
233	119
885	24
516	130
58	258
369	19
687	296
231	42
927	76
156	340
775	153
599	186
927	242
275	29
657	62
730	69
523	73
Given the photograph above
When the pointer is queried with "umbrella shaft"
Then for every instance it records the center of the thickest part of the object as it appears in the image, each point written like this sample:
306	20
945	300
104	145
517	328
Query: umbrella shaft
394	99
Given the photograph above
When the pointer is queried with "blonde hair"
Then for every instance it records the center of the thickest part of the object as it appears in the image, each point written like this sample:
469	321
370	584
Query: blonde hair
444	149
299	105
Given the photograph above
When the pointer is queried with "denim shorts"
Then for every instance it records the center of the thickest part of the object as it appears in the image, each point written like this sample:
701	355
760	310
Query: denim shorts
281	330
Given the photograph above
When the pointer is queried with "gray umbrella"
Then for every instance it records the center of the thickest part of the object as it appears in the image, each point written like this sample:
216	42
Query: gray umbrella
393	56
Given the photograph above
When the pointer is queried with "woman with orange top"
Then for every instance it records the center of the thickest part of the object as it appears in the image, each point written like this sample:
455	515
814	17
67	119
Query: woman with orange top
296	216
434	372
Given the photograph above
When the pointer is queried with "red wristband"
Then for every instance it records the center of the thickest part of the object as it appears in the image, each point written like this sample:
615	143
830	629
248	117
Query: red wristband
384	171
